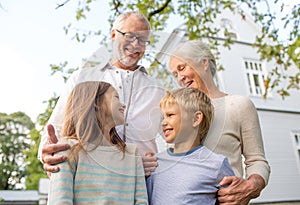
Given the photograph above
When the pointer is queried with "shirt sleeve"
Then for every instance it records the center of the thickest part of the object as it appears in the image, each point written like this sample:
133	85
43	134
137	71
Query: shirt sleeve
61	185
141	191
253	148
56	118
225	170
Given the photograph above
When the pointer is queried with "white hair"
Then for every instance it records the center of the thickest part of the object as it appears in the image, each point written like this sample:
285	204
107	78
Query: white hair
195	51
120	19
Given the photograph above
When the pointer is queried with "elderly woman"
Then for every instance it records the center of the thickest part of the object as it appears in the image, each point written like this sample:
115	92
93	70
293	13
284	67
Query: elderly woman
235	131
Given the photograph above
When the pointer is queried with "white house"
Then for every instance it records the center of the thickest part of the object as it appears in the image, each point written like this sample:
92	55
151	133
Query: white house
244	75
8	197
280	119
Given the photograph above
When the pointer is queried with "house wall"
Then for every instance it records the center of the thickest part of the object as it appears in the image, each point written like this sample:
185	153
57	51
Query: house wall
234	80
284	183
278	118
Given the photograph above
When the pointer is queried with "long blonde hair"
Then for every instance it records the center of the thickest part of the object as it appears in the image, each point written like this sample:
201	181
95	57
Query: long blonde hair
81	121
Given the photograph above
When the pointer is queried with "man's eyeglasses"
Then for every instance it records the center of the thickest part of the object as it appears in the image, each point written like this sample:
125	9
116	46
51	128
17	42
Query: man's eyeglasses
130	37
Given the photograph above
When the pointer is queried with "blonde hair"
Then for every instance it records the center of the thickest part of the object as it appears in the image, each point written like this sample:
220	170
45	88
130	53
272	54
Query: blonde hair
81	118
195	51
191	100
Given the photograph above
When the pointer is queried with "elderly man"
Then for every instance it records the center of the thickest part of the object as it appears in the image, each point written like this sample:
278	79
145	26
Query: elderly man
140	93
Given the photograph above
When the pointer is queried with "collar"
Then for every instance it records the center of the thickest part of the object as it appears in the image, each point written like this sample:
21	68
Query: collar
109	66
170	151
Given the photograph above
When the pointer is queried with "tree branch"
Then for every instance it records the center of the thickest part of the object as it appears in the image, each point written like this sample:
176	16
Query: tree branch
157	11
60	5
116	4
270	14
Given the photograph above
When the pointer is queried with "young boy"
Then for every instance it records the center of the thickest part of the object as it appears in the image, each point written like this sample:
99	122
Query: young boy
188	173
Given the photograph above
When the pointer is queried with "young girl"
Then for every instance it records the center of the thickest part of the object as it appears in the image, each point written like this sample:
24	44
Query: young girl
101	168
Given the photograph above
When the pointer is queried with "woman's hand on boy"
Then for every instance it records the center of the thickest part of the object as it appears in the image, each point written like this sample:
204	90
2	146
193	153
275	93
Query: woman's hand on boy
240	191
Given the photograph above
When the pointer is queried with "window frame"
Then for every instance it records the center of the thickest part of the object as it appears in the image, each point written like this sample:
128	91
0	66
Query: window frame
295	134
256	75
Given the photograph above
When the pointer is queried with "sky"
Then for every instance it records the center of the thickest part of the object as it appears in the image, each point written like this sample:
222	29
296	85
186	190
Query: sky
32	38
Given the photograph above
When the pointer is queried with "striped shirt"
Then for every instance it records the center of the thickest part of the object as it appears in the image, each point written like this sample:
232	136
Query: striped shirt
102	176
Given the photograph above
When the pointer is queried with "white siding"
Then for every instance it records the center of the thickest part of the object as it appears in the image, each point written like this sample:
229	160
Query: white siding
278	117
284	183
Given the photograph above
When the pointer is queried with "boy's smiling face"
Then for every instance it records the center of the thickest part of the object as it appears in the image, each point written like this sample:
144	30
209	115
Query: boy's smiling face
177	125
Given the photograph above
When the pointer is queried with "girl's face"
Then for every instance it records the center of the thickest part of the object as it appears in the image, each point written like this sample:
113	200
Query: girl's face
185	75
115	109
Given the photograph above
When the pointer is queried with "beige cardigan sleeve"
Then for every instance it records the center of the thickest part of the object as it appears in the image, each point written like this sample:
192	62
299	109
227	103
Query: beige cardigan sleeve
236	133
252	141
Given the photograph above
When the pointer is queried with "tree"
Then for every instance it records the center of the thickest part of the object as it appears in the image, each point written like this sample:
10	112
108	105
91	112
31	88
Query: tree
34	168
14	140
199	15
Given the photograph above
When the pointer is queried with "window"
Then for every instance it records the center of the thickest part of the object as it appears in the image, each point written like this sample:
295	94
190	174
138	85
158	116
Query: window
296	139
256	75
228	28
226	23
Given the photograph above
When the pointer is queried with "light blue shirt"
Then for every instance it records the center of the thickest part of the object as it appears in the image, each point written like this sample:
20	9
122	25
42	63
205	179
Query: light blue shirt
187	178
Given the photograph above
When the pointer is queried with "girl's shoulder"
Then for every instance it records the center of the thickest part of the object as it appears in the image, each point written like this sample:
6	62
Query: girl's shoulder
65	140
131	148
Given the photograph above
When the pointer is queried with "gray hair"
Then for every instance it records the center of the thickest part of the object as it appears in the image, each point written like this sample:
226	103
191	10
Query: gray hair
120	19
195	51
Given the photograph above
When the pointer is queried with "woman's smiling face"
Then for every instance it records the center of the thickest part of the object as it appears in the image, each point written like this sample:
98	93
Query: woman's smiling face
185	74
